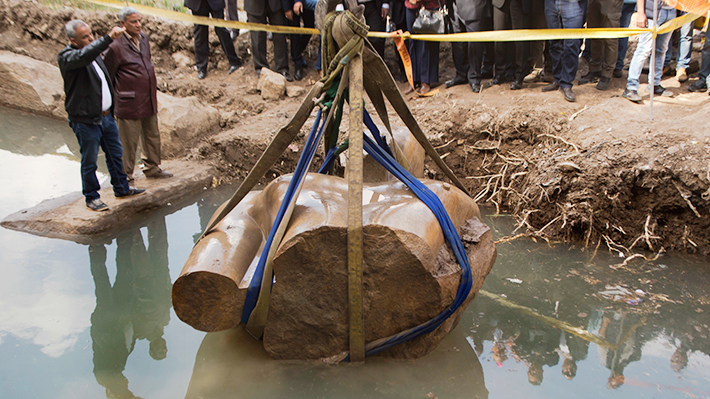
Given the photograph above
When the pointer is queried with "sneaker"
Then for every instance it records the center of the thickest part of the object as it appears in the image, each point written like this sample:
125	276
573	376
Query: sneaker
131	191
698	86
681	75
631	95
603	83
97	205
591	77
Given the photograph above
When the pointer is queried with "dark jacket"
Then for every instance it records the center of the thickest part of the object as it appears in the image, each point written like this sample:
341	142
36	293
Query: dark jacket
473	10
194	5
82	86
133	77
258	7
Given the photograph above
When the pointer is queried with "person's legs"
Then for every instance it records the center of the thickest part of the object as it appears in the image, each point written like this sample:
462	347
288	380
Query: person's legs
413	46
685	47
201	33
596	46
626	12
258	43
111	145
129	131
520	20
572	15
475	53
150	142
89	137
459	53
704	73
280	48
611	11
552	16
501	21
225	40
643	51
661	44
373	18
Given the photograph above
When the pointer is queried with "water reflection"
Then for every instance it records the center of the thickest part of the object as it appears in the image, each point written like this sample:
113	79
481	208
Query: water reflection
232	364
135	307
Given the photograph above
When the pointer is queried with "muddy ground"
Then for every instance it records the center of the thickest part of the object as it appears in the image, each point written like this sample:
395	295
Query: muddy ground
598	172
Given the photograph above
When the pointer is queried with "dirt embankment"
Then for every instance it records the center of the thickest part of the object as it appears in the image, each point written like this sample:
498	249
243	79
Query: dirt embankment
598	172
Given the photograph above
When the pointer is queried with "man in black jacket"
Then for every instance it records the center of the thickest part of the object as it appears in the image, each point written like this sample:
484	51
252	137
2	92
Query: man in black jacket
89	104
215	8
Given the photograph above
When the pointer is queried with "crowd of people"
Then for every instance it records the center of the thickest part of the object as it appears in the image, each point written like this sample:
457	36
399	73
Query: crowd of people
122	83
555	62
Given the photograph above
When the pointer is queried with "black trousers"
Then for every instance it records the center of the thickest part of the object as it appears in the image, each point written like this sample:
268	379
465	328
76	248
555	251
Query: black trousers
258	40
202	46
468	56
373	18
300	42
512	58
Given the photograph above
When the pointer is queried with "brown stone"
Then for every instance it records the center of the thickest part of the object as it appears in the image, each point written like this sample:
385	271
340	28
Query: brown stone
272	85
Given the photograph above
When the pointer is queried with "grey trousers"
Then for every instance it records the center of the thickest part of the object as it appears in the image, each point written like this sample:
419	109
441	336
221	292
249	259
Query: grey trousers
146	131
604	14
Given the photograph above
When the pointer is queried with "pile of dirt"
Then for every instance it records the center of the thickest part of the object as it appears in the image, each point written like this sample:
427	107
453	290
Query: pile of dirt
598	172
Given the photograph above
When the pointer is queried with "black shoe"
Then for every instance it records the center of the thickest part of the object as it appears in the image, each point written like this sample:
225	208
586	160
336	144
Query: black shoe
496	81
603	83
457	80
476	87
618	73
287	76
590	77
298	75
131	191
698	87
201	74
160	174
233	68
97	205
632	95
551	87
569	94
516	85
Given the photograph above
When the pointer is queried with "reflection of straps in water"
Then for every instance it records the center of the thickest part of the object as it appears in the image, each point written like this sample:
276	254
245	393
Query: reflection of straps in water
561	325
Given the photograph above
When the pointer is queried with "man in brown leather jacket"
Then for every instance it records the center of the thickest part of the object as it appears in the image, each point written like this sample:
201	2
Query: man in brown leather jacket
131	69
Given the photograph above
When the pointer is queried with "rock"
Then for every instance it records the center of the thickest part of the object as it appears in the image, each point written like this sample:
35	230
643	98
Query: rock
183	59
182	119
294	91
568	167
272	85
31	85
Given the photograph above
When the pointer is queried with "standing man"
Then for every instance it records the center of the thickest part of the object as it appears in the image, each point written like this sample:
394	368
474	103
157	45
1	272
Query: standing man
300	42
646	18
89	104
204	8
261	11
564	14
470	16
511	58
376	12
132	73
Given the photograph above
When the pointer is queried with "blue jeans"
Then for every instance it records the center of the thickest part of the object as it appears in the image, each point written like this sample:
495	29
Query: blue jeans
685	46
704	73
643	51
563	14
626	12
90	138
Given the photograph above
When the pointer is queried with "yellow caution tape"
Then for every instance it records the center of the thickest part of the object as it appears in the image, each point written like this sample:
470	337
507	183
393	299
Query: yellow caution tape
488	36
178	16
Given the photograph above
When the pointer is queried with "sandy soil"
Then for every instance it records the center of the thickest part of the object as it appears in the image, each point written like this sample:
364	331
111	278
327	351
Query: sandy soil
598	172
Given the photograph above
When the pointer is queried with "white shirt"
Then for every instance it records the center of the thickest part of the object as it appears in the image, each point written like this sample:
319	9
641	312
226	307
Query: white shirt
105	91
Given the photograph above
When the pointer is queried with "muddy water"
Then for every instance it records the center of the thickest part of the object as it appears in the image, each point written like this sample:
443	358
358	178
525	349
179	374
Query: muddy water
95	321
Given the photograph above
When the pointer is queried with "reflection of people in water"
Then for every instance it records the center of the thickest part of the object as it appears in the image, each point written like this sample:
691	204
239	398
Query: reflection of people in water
620	330
679	358
137	306
572	349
